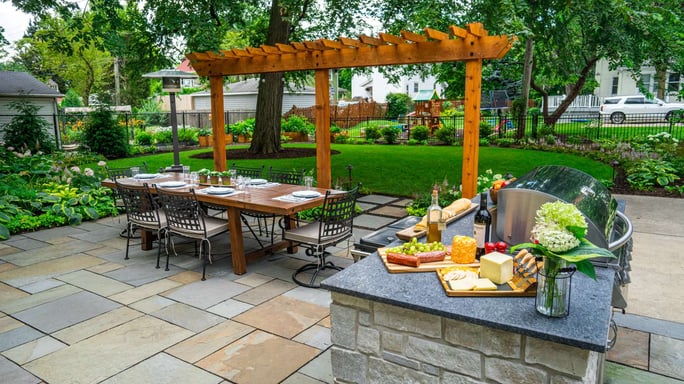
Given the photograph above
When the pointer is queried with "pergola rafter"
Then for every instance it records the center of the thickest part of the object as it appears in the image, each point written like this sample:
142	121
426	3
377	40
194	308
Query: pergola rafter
471	45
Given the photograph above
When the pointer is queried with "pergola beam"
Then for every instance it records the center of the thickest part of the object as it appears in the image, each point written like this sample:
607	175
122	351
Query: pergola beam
472	45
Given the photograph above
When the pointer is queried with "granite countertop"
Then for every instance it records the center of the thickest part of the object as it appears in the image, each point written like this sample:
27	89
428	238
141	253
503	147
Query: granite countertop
585	327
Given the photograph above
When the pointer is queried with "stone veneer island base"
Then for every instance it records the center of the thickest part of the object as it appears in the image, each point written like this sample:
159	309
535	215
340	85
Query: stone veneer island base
381	343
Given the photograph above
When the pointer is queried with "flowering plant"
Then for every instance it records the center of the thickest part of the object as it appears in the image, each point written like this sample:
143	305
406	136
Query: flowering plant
558	234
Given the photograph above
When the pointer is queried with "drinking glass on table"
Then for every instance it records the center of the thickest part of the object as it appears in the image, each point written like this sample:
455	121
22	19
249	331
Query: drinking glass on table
186	173
194	179
135	171
308	182
233	176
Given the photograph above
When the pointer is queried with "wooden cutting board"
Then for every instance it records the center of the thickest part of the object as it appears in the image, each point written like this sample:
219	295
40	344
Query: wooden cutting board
502	290
408	233
424	267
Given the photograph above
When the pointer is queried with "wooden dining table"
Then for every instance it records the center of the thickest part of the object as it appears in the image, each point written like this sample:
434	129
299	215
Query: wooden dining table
271	198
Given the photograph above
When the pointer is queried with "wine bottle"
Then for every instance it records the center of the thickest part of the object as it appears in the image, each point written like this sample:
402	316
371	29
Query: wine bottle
481	227
434	219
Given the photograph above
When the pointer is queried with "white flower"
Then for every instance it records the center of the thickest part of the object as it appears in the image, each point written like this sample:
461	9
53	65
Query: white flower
10	148
89	172
75	169
101	163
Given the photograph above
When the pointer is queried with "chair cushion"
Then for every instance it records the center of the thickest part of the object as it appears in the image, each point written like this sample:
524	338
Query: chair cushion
214	226
150	224
309	234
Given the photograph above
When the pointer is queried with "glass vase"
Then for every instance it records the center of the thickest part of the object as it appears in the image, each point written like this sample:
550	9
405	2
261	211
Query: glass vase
553	288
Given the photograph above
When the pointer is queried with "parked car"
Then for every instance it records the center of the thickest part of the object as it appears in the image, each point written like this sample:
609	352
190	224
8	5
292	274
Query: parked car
636	107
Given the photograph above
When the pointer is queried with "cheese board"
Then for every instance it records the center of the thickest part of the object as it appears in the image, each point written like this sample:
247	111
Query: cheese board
502	290
423	267
409	233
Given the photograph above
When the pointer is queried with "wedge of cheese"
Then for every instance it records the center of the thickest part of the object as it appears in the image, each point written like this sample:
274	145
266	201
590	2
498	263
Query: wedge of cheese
496	267
462	285
484	285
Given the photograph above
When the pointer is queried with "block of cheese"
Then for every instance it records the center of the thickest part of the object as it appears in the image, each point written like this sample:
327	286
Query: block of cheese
462	285
484	285
496	267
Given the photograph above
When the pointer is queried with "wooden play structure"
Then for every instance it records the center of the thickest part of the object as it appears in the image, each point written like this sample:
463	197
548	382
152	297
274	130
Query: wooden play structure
472	45
428	107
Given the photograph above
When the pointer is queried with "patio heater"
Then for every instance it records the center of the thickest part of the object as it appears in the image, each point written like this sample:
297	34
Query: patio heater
171	83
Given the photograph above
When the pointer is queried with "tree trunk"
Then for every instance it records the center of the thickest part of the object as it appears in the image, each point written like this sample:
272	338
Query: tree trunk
661	78
527	76
574	89
266	138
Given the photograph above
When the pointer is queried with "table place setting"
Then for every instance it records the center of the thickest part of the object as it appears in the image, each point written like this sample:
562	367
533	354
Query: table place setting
298	196
218	191
172	184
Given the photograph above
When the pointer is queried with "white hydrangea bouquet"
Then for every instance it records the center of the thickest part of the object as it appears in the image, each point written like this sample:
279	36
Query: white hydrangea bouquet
558	236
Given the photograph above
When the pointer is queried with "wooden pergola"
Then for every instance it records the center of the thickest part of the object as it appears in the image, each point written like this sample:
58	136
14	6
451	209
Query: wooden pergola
472	45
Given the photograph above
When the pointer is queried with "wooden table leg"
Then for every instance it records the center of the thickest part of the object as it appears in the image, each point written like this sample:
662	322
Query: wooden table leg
289	224
237	246
146	239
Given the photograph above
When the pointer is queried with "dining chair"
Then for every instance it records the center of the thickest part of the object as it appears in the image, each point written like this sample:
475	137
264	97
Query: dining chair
251	172
333	225
186	218
122	173
142	211
282	176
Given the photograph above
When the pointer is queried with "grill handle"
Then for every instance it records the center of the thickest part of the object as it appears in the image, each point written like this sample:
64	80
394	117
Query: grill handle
625	236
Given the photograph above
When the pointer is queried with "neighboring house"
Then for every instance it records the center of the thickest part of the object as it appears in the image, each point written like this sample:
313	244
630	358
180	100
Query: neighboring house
242	96
620	82
15	86
375	86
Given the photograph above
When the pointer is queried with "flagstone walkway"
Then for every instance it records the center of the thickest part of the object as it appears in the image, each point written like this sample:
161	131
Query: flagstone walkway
72	310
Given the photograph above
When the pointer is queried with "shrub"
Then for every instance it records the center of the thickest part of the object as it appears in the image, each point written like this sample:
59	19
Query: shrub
485	129
446	135
484	142
163	136
143	138
27	130
341	139
504	141
104	136
372	133
645	174
187	135
297	124
390	134
413	142
245	127
420	133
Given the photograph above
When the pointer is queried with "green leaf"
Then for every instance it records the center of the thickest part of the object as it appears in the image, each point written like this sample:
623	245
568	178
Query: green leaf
4	232
91	213
586	267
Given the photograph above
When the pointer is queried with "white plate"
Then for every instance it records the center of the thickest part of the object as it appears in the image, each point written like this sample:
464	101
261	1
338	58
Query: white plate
306	194
145	176
258	181
172	184
219	190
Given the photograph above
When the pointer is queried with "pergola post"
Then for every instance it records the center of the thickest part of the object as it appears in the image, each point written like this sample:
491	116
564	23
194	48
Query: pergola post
471	127
323	164
218	122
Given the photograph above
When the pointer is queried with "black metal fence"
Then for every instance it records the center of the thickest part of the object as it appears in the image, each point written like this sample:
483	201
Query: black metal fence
571	126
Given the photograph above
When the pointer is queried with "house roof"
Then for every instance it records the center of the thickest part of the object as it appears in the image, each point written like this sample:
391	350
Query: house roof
426	94
23	84
251	87
185	66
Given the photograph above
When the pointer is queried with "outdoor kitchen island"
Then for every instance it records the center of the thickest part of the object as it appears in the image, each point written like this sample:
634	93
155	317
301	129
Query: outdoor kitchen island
404	328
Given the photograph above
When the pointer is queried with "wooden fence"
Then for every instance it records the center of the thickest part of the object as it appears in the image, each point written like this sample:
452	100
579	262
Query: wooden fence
344	117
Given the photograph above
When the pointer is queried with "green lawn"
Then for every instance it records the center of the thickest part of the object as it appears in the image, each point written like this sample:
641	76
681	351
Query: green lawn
400	170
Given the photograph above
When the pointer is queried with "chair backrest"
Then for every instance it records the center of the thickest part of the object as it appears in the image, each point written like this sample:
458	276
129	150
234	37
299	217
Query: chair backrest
286	176
337	215
139	203
119	173
252	172
183	212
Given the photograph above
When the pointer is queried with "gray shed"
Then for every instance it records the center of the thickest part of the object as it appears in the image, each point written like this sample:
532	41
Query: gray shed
242	96
16	86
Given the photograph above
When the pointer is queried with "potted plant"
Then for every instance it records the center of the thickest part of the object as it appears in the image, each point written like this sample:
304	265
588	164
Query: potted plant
225	177
214	177
297	128
203	175
205	137
334	132
229	134
243	129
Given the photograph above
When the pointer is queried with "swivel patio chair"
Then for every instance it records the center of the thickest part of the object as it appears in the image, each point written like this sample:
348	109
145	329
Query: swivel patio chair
186	218
142	211
334	225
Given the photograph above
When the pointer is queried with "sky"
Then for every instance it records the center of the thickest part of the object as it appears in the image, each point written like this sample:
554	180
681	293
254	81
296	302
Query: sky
14	21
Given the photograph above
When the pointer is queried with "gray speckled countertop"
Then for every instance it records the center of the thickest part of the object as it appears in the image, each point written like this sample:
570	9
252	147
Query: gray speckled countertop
585	327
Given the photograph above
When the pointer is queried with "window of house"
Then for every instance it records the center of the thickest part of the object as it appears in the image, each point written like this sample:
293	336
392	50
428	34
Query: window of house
673	81
648	83
614	86
415	87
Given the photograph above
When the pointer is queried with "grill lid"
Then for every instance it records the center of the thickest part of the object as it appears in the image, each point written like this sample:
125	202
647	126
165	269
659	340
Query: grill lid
551	183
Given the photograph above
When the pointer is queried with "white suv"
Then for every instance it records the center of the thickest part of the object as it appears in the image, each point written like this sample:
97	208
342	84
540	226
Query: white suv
619	108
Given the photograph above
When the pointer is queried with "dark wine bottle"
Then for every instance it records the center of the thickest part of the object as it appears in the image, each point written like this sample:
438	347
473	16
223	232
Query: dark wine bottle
481	227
